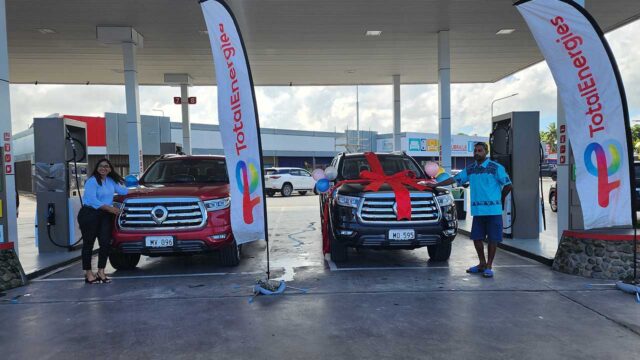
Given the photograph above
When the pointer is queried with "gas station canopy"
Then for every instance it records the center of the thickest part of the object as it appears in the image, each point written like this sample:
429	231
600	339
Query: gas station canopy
299	42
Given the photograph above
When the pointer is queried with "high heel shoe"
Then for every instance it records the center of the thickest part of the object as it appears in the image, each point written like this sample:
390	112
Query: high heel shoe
104	280
96	280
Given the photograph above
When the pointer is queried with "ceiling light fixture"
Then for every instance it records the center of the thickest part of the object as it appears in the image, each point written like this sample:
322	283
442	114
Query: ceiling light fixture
350	71
373	33
203	32
505	31
46	31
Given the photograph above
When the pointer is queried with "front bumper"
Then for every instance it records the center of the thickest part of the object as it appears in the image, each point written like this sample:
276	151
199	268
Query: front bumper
378	237
349	231
188	242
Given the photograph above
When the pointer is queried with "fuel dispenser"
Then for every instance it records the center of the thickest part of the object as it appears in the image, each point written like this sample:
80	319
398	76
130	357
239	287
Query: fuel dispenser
515	144
60	173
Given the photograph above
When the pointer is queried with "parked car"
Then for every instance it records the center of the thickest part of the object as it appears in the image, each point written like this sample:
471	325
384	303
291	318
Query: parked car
286	180
180	207
553	195
368	219
636	166
548	169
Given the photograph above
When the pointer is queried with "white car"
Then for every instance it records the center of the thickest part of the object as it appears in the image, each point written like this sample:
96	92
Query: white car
286	180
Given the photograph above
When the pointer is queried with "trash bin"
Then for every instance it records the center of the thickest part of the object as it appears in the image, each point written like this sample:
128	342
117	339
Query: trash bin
462	213
458	199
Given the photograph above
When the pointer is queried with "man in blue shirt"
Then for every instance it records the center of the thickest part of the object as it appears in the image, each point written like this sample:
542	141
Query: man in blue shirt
490	185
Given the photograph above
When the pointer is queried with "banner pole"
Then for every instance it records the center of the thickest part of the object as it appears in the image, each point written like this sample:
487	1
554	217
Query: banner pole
228	69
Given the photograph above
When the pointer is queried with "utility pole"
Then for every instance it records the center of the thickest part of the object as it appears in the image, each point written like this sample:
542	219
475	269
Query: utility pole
357	119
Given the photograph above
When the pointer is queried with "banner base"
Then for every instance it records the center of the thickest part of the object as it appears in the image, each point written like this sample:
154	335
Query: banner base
11	272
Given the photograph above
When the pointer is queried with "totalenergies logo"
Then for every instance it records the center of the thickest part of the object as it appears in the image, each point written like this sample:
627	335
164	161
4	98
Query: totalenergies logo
248	179
604	167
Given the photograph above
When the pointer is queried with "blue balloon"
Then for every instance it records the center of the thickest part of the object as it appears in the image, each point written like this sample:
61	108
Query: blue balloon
323	185
130	181
442	177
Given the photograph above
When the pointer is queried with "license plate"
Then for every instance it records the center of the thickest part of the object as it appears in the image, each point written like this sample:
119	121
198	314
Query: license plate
402	234
159	241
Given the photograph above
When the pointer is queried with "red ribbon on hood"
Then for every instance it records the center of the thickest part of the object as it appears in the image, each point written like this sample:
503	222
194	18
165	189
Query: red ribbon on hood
397	182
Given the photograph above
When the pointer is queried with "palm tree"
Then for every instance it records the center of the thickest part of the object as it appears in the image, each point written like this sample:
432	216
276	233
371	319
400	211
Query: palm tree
550	136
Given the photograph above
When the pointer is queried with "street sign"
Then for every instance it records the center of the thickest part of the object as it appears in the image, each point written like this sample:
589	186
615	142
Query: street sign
177	100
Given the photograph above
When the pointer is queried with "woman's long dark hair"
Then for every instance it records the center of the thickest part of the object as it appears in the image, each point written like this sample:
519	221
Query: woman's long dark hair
112	174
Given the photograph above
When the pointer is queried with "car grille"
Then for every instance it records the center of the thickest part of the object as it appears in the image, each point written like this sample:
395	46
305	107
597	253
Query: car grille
381	208
162	214
180	246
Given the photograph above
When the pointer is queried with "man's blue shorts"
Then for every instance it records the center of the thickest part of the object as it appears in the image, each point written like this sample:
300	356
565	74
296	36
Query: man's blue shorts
487	227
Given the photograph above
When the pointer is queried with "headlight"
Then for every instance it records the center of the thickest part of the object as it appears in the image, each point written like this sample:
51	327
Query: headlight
217	204
445	200
349	201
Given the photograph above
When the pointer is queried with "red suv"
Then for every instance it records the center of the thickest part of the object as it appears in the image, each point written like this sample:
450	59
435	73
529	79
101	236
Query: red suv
180	207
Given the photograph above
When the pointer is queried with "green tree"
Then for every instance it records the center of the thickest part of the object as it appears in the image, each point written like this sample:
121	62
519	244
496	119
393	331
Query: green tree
635	133
635	137
550	136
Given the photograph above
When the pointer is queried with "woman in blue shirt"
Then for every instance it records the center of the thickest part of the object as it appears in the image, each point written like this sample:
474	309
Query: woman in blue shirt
97	216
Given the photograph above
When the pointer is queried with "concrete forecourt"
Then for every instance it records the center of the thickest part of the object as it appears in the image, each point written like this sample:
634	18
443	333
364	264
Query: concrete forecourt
381	304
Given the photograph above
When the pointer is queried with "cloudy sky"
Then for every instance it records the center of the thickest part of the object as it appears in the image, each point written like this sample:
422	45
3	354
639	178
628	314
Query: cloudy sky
329	108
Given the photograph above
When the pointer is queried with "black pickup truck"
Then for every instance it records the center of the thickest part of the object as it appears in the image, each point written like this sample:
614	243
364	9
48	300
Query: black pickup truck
366	219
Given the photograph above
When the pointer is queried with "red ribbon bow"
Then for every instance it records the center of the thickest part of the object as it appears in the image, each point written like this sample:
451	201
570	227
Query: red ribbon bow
374	180
397	182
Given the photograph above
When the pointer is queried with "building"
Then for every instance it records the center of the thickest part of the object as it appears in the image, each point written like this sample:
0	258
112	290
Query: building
107	137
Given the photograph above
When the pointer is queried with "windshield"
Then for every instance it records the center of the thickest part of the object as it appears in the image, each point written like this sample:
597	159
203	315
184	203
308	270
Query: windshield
205	171
391	164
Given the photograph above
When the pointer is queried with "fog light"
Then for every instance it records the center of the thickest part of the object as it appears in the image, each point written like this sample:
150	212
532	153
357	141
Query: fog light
450	232
452	224
218	236
448	216
345	232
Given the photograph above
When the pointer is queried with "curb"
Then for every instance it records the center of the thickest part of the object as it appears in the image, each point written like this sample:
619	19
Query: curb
50	268
515	250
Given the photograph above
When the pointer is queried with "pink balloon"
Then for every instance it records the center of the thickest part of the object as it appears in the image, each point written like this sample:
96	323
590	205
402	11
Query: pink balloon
431	168
317	174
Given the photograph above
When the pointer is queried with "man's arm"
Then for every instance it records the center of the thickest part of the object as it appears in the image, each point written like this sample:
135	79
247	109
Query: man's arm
449	181
505	191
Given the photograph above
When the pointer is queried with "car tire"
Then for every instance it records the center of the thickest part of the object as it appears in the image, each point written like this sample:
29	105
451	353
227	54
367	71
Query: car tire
440	252
338	250
121	261
315	191
270	193
287	189
230	255
303	193
553	201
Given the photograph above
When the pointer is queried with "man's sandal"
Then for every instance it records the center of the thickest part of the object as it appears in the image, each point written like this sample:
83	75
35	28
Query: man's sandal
488	273
475	269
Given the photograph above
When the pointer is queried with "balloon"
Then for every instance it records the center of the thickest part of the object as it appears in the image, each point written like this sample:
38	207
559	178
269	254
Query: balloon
130	181
323	185
431	168
331	173
442	177
317	174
